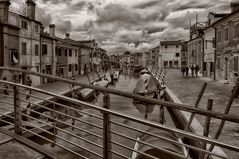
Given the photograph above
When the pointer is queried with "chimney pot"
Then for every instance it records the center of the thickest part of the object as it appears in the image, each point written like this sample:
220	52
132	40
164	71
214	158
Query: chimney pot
52	30
67	35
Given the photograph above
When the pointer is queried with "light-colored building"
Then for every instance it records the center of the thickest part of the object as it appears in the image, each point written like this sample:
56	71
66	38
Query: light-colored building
170	54
227	44
146	59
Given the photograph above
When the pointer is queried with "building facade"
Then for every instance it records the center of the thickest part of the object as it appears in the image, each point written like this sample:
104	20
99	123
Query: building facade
170	54
227	44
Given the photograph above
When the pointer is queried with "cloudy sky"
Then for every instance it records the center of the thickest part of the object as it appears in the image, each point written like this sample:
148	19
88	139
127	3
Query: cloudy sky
119	25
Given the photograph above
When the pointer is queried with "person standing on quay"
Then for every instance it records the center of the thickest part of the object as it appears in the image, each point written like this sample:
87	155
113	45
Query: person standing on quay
183	70
192	70
186	70
196	70
5	87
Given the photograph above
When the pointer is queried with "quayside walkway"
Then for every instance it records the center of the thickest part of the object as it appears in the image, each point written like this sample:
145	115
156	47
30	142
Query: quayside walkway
78	129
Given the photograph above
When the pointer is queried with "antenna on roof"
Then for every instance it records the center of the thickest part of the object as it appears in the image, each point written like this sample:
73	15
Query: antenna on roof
196	17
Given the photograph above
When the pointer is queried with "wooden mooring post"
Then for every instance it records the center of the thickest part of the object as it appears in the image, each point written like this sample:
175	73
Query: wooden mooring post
196	106
206	127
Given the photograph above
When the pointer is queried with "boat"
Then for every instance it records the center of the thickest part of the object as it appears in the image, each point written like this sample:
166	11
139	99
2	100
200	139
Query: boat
85	93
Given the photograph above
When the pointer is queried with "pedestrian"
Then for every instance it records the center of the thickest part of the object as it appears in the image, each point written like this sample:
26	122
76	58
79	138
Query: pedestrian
5	87
235	80
183	70
192	70
186	70
196	70
28	91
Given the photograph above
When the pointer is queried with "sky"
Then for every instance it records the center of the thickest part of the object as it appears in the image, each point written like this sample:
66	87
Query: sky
124	25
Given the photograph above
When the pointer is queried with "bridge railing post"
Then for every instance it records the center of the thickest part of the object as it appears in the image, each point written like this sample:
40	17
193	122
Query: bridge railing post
106	129
17	110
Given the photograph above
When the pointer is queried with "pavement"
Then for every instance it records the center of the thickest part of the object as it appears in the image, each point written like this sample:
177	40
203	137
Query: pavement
187	90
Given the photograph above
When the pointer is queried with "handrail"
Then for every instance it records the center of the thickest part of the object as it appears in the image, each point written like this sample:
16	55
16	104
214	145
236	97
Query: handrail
135	119
192	109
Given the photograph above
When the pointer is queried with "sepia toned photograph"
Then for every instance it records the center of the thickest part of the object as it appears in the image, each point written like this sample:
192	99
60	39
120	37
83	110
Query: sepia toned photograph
119	79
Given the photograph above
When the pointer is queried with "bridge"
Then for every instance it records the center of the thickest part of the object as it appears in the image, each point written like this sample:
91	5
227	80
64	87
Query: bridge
101	131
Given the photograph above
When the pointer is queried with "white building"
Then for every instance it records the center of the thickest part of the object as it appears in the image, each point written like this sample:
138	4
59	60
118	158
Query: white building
170	54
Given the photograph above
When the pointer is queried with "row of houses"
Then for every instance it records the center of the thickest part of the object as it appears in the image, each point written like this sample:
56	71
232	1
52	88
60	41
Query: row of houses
25	44
169	54
214	44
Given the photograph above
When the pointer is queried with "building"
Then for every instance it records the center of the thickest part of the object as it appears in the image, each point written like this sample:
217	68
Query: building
155	52
227	44
146	59
20	40
170	54
209	45
125	58
195	45
184	54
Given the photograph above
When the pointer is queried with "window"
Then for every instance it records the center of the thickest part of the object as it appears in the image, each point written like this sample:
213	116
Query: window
176	46
76	67
13	56
24	48
193	53
70	52
184	54
36	50
44	49
236	30
176	63
38	68
206	44
59	51
69	67
24	24
226	34
36	28
75	53
219	36
177	55
236	63
166	46
165	63
65	52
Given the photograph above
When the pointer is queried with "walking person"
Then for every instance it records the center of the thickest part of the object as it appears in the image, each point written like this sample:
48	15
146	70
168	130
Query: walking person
196	70
183	70
235	80
186	70
192	70
28	91
5	87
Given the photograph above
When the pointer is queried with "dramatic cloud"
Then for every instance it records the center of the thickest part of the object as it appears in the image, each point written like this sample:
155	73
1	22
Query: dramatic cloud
120	25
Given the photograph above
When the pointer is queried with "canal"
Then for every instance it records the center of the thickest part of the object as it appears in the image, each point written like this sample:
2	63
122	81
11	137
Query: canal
126	82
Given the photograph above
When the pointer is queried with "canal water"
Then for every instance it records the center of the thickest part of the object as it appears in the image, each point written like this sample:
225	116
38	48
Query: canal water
126	82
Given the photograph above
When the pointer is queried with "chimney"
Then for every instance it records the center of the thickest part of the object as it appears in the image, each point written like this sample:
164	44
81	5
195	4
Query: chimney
67	36
31	5
4	7
234	6
52	30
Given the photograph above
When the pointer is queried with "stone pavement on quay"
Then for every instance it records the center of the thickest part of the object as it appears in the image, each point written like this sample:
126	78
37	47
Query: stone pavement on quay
187	90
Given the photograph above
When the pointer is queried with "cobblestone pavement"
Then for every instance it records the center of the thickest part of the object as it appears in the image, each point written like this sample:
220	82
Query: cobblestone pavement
187	90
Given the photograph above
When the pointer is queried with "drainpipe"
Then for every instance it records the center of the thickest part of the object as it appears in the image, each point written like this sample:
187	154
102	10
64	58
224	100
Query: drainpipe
215	55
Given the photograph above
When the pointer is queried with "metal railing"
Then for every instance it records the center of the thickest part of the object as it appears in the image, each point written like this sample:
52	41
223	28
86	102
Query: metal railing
103	133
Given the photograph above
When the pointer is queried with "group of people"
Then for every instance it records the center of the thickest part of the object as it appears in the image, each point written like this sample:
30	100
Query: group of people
194	70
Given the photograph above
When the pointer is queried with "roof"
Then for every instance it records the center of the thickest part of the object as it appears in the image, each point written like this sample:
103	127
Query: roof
225	17
171	42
